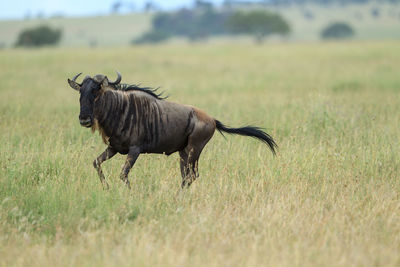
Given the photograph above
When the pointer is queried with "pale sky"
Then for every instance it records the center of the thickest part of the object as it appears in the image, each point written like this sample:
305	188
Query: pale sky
16	9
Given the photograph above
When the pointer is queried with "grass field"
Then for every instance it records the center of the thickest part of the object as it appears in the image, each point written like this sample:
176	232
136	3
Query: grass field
329	198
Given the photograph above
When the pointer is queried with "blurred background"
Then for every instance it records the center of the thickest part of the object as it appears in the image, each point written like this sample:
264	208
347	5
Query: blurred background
123	23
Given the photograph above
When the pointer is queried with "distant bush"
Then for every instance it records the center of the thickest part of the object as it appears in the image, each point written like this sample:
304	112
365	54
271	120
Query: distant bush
258	23
39	36
338	30
153	36
193	24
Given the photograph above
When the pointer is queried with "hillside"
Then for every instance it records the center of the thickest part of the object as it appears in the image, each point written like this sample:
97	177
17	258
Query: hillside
98	30
371	22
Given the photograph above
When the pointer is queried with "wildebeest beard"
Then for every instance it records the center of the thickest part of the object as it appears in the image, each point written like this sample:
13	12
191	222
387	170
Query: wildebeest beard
134	120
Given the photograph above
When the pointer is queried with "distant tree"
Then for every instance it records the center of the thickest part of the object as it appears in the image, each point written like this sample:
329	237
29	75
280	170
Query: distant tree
338	30
258	23
193	24
201	4
227	4
152	37
177	23
203	21
39	36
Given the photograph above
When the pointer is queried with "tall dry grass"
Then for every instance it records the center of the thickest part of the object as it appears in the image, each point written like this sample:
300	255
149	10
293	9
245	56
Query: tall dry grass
330	197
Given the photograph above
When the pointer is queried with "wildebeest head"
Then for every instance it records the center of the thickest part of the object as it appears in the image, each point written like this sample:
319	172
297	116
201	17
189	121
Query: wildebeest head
90	89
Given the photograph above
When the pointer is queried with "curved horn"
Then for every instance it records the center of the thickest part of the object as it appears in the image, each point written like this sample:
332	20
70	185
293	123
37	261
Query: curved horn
76	76
74	84
119	78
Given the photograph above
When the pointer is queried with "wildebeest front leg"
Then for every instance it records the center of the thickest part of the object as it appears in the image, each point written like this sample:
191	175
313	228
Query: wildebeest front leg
133	154
107	154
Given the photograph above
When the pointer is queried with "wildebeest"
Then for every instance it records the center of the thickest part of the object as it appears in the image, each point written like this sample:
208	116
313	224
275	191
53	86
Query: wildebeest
134	120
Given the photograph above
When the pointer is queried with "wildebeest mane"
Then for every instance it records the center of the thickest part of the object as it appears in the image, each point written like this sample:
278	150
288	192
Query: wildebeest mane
134	87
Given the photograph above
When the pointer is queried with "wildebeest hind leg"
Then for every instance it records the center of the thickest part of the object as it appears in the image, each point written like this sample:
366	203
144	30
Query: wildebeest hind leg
189	161
107	154
133	154
188	176
183	163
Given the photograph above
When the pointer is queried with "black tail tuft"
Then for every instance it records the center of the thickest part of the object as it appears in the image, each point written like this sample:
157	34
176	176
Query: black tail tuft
251	131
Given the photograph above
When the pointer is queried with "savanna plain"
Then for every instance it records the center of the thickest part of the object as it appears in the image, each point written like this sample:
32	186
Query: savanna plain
329	198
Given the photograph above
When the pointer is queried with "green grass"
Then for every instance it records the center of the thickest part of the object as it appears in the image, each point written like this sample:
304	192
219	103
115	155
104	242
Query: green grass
330	197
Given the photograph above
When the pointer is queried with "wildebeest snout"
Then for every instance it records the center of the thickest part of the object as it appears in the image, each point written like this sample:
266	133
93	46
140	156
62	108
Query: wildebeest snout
85	121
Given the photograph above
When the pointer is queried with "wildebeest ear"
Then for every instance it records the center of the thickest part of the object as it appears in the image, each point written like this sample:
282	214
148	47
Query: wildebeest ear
74	85
104	83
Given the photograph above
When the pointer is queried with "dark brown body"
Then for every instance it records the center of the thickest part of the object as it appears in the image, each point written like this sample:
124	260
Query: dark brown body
134	120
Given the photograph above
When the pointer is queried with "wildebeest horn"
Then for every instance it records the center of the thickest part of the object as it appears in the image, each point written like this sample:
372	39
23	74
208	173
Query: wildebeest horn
76	76
118	79
73	82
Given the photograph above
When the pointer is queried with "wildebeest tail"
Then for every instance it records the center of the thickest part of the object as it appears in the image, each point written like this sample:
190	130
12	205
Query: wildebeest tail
251	131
